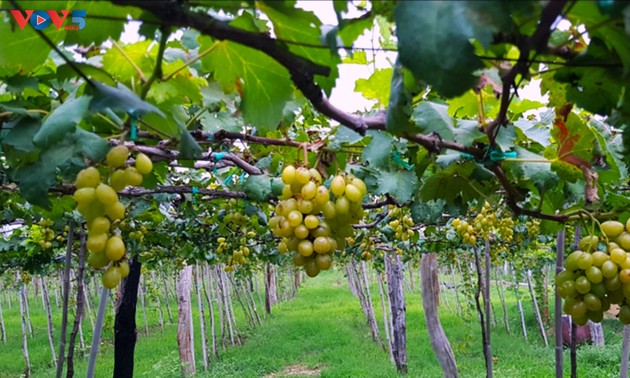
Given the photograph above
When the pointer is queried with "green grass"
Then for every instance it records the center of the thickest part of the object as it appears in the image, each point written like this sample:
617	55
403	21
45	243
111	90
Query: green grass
323	329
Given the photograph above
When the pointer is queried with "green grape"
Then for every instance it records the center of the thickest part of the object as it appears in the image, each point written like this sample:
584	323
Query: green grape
594	274
338	186
305	248
309	190
88	178
117	156
302	175
352	193
321	245
322	195
301	232
288	175
609	269
582	285
294	218
342	206
585	261
311	222
592	302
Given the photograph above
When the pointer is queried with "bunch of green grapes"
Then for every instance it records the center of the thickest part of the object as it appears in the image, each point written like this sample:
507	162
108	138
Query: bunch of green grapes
533	228
484	221
233	240
25	277
464	230
505	229
487	223
42	233
313	220
594	279
401	223
98	202
238	253
366	247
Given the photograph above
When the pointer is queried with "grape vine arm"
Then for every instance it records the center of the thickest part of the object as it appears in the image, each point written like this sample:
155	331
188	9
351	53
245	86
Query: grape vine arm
379	218
160	154
166	189
537	43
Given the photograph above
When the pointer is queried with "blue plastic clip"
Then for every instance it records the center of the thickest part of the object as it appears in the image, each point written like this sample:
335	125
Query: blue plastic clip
194	191
133	135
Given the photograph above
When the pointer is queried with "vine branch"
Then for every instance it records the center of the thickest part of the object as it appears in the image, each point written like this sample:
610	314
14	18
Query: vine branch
536	43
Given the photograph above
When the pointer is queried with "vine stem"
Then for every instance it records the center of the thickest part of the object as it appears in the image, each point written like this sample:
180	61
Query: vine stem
98	327
157	71
39	111
133	64
542	161
304	148
190	62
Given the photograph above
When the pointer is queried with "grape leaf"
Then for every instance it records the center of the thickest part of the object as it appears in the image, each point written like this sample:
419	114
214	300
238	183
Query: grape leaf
97	31
65	72
67	156
453	183
533	131
93	146
574	138
120	99
23	50
616	201
537	170
434	43
183	88
596	89
258	187
343	135
188	147
222	120
400	100
377	86
61	121
466	131
350	30
432	117
401	185
520	107
20	136
298	25
266	86
506	138
141	53
378	151
427	211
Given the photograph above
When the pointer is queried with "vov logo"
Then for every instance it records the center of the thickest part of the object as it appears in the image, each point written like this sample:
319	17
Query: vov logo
40	19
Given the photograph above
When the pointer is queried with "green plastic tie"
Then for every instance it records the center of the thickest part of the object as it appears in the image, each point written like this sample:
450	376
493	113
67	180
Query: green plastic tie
133	135
194	191
217	156
229	178
398	160
499	156
242	177
491	154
